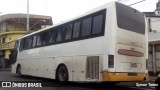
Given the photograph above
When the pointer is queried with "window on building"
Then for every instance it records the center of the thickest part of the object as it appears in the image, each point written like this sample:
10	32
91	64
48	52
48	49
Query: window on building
157	47
3	40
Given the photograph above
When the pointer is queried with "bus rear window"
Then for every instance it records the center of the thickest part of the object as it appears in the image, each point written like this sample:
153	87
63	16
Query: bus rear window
130	19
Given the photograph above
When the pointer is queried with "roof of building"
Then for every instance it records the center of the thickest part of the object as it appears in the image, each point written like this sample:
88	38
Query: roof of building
154	38
20	15
151	14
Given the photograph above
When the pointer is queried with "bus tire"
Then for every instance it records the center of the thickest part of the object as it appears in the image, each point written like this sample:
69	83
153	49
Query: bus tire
19	70
62	74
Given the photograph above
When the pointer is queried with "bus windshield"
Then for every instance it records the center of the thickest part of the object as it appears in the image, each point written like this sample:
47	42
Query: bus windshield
130	19
16	45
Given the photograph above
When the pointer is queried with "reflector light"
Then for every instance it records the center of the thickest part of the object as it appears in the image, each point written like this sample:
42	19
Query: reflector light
111	61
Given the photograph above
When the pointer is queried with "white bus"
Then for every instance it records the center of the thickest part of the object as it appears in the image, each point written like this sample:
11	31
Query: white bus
108	43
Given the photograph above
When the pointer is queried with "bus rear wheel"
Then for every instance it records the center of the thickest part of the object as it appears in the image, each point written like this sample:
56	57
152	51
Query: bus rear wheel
62	74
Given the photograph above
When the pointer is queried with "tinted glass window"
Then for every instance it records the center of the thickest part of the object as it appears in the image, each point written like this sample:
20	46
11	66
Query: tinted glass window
25	43
46	37
52	36
29	43
16	45
60	36
130	19
76	30
34	41
39	39
86	27
97	24
81	28
67	31
22	44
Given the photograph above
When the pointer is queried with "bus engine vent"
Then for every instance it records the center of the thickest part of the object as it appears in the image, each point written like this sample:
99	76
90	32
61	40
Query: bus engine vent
92	67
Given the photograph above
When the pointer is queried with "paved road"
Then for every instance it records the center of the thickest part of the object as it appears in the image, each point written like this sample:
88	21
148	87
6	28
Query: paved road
7	76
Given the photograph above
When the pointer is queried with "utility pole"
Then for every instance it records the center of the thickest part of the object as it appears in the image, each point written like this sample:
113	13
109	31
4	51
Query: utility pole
153	58
27	28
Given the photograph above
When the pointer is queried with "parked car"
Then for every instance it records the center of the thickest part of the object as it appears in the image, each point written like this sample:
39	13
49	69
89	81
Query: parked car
157	81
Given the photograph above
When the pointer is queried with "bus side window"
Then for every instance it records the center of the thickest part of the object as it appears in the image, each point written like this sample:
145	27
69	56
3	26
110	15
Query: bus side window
22	44
76	30
52	38
16	45
25	43
39	39
46	37
68	31
97	24
34	41
29	43
86	27
60	36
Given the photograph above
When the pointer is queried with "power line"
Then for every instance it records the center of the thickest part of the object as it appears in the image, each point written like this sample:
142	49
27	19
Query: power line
155	21
137	2
123	0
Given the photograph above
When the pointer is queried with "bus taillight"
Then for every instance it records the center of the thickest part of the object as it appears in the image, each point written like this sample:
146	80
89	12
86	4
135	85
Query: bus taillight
111	61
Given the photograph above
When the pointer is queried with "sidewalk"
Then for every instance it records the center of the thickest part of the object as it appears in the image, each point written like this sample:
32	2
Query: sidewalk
5	69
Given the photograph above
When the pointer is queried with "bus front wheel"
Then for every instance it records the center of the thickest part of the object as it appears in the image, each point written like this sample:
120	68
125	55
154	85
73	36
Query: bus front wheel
19	70
62	74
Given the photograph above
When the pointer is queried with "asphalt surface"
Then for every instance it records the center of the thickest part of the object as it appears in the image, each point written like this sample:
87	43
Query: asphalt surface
53	85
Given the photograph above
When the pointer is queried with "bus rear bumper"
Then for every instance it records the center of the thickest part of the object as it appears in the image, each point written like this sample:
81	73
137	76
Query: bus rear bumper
111	76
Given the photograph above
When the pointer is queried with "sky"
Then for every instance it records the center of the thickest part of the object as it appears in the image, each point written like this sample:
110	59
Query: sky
61	10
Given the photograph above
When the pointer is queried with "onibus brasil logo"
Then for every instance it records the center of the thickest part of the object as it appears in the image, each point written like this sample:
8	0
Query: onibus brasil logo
20	84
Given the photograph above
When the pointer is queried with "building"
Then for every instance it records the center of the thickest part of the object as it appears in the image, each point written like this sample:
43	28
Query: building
154	53
154	19
13	26
154	39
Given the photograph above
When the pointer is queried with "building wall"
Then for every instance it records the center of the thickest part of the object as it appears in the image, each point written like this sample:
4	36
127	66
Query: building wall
13	26
156	56
2	27
155	23
155	27
15	36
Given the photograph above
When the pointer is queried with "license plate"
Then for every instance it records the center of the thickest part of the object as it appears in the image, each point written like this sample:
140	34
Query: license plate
133	65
